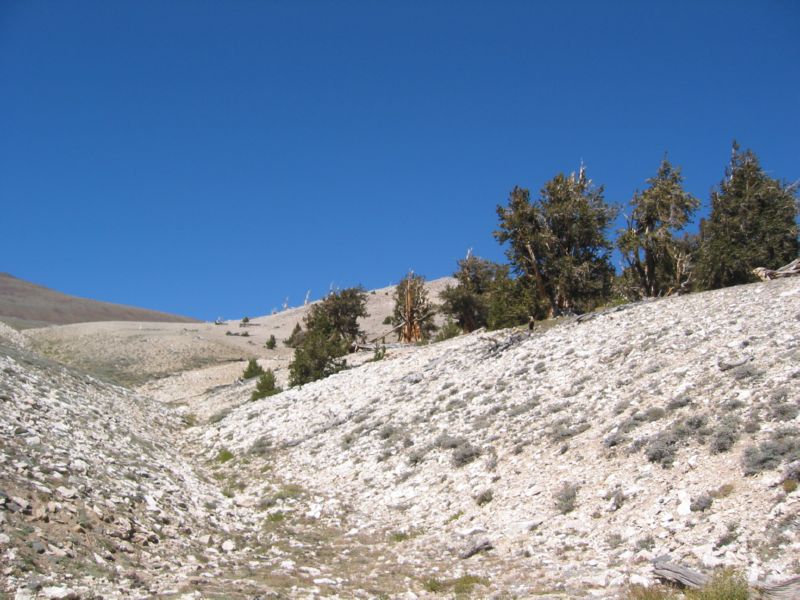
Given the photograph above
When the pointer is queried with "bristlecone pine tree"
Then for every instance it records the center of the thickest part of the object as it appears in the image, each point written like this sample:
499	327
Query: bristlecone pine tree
752	224
331	329
657	263
485	296
558	243
253	369
265	386
413	313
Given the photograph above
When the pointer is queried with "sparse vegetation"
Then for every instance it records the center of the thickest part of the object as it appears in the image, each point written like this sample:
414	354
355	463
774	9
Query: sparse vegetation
566	498
224	455
783	444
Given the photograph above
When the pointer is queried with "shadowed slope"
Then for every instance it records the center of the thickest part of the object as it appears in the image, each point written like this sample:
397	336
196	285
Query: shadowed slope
24	305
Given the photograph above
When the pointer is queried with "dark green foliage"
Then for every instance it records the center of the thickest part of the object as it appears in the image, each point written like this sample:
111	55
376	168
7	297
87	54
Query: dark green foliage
331	329
253	369
447	331
752	224
296	338
266	386
413	312
468	302
657	263
558	244
271	343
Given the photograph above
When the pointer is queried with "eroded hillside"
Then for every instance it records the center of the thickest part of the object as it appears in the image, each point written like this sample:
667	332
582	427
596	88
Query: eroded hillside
506	465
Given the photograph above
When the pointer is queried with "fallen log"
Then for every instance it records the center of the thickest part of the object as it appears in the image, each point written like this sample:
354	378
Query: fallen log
685	577
790	270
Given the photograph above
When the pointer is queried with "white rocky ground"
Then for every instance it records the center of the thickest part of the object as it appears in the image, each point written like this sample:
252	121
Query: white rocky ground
555	464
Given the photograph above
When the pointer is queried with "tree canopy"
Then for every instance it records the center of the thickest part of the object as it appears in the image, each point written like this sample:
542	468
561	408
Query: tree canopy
656	261
331	328
558	243
753	223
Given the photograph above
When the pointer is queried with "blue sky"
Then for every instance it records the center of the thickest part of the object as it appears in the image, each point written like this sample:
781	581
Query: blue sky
215	158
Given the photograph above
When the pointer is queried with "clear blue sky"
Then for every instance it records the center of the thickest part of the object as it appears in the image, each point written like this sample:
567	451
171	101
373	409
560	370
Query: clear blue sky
214	158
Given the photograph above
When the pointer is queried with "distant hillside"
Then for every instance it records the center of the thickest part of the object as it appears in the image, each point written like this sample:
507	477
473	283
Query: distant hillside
25	305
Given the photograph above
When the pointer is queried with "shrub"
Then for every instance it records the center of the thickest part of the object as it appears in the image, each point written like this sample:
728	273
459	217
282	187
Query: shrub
648	542
784	444
448	442
484	497
723	491
265	386
224	455
701	503
662	449
449	330
724	435
789	485
253	369
465	454
566	498
271	343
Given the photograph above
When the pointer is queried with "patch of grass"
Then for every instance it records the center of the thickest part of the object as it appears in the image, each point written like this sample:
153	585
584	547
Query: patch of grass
404	536
288	491
659	592
454	517
723	491
463	585
217	417
224	456
724	585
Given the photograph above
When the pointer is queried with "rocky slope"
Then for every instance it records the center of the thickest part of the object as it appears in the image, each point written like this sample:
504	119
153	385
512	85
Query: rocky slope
554	464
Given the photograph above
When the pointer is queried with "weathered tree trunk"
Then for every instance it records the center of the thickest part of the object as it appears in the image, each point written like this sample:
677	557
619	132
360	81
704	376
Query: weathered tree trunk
685	577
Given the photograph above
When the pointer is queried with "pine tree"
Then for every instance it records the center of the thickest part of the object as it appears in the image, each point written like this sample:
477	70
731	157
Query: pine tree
656	261
265	386
253	369
558	243
485	296
331	329
752	224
